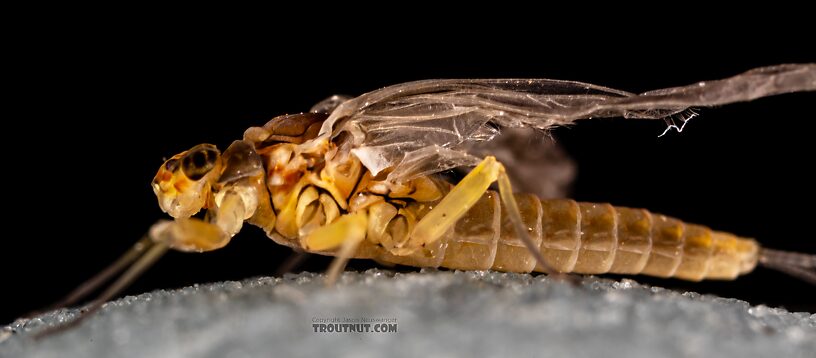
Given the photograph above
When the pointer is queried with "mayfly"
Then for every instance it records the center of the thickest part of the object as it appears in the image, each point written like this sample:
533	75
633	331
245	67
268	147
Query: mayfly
362	178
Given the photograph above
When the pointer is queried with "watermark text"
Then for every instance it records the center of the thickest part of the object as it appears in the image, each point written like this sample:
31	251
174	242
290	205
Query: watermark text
354	325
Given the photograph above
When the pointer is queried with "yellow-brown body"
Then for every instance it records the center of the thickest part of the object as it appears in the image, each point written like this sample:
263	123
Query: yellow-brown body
573	237
584	238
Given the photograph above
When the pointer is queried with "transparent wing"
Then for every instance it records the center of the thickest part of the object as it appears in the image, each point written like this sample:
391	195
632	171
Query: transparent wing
534	161
424	127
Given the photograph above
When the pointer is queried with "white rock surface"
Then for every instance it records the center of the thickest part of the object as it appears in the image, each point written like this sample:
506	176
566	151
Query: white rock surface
444	314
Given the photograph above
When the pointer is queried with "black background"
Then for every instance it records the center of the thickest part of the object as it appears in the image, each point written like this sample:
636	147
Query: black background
102	106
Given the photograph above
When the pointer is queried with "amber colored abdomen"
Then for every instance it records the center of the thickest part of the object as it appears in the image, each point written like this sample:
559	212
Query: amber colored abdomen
591	238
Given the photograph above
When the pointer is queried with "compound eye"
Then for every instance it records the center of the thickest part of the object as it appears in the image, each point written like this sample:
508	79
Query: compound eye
171	165
198	162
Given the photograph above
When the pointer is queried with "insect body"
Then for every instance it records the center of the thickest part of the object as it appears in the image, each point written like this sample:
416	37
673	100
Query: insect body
360	178
314	190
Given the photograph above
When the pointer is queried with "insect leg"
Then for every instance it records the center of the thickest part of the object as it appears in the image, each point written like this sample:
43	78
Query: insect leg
103	276
292	262
150	256
185	234
341	259
506	196
454	205
188	234
347	232
233	206
463	196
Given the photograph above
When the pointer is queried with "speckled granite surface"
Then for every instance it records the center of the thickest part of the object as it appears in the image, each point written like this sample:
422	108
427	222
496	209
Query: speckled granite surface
434	313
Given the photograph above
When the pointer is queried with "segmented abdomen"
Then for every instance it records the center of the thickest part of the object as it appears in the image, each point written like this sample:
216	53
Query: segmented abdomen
587	238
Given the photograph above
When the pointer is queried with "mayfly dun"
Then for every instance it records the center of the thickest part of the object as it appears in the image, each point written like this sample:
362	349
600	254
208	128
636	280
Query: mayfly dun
363	178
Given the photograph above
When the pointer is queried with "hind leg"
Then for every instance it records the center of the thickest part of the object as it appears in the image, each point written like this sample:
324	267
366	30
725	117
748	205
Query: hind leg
462	197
